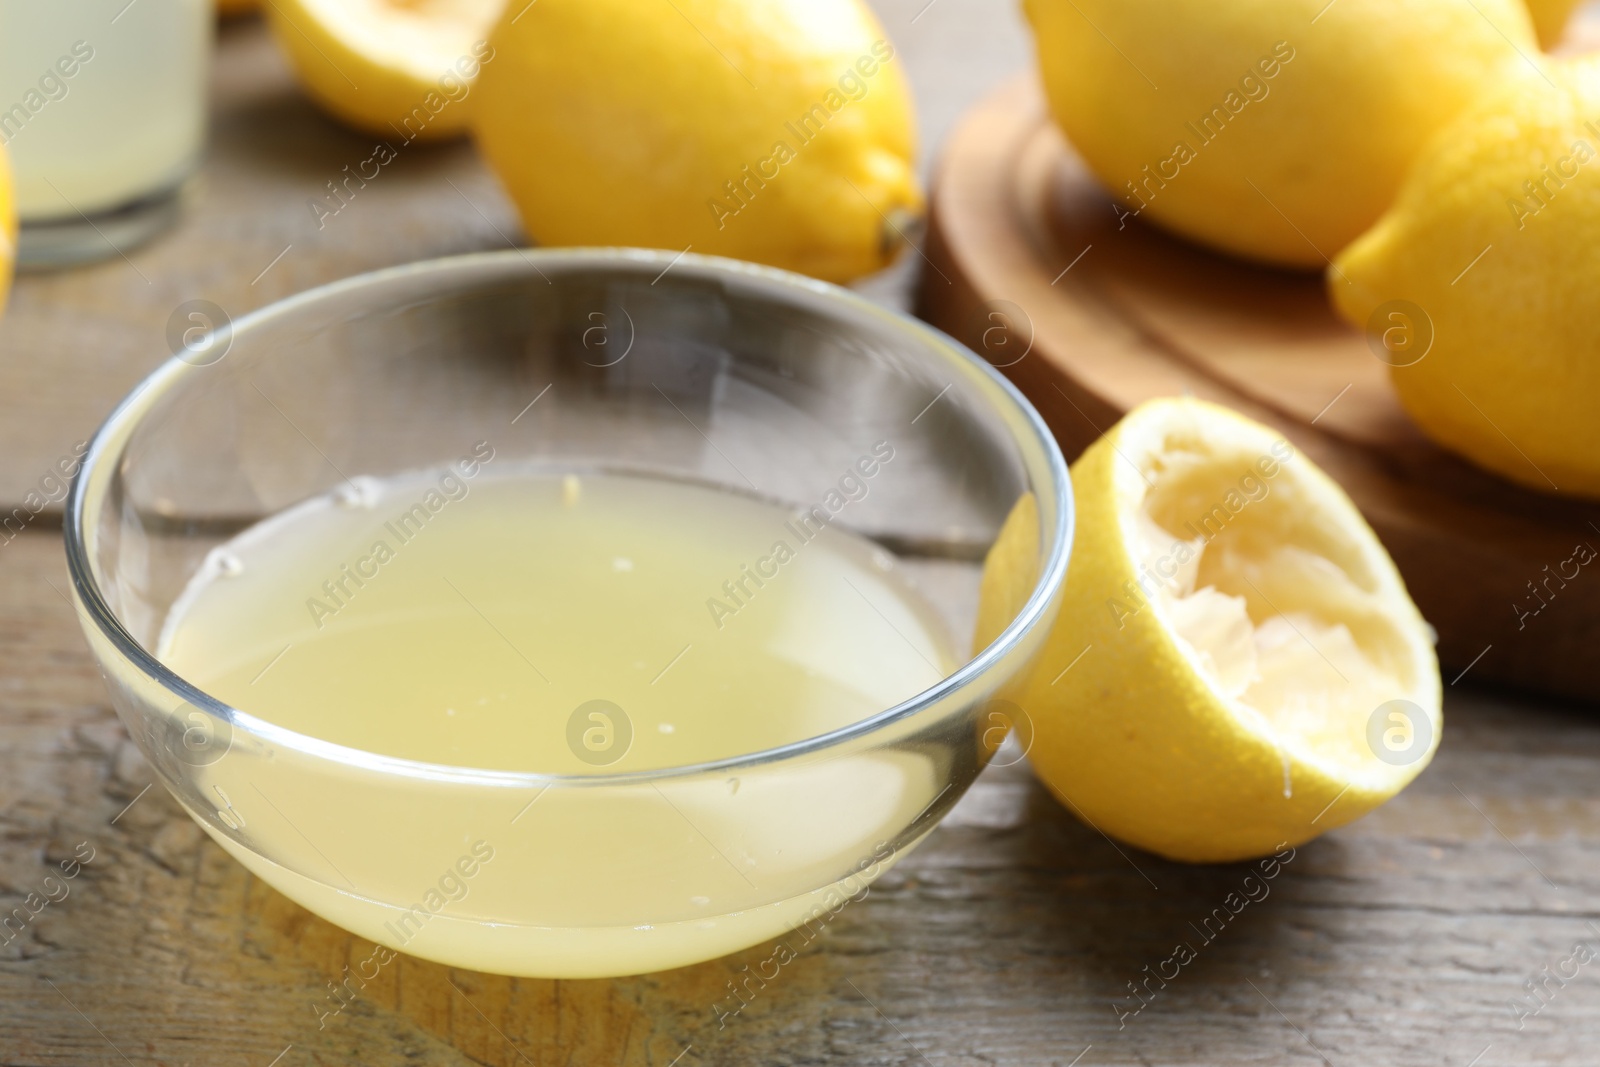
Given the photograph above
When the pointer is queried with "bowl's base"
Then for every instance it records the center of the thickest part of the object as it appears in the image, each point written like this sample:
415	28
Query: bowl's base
522	950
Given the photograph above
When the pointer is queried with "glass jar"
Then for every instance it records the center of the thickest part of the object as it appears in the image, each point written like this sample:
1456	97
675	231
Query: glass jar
103	113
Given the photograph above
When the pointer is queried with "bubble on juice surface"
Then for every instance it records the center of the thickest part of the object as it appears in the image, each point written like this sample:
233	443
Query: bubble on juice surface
621	564
666	727
222	561
359	492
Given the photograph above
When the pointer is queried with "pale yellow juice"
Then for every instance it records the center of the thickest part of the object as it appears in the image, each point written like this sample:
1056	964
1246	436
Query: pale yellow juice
562	624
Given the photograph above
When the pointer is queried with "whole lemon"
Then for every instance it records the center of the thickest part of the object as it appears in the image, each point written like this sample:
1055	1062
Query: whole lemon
778	131
1478	285
1273	129
1236	665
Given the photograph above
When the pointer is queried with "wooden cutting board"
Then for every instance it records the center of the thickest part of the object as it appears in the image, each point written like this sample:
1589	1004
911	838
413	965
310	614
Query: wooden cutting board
1031	264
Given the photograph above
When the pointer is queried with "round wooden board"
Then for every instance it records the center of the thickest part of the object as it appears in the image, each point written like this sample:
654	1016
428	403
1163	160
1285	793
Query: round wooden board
1031	264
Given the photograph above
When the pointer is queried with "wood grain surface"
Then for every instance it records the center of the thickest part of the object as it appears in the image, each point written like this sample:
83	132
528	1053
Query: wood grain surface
1011	937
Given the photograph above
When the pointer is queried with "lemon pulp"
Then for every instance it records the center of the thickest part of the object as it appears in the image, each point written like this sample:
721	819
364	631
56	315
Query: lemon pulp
1263	615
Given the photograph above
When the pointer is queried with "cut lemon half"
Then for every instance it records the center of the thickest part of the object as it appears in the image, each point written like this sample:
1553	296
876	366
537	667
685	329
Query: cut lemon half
8	229
1237	665
401	69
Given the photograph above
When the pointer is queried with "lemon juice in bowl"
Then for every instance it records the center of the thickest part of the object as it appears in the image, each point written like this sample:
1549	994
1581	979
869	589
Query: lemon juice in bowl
644	675
103	113
561	624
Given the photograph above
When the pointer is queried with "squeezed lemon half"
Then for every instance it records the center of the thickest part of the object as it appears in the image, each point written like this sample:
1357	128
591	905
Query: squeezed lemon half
1237	664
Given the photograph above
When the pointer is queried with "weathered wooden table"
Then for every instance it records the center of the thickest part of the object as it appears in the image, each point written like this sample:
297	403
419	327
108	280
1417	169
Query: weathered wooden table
1015	935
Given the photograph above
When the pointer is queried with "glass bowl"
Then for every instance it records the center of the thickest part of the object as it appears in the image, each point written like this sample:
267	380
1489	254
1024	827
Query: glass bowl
725	374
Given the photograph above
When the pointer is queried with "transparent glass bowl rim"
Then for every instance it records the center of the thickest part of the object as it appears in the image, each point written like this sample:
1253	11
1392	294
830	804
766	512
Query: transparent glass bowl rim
931	343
